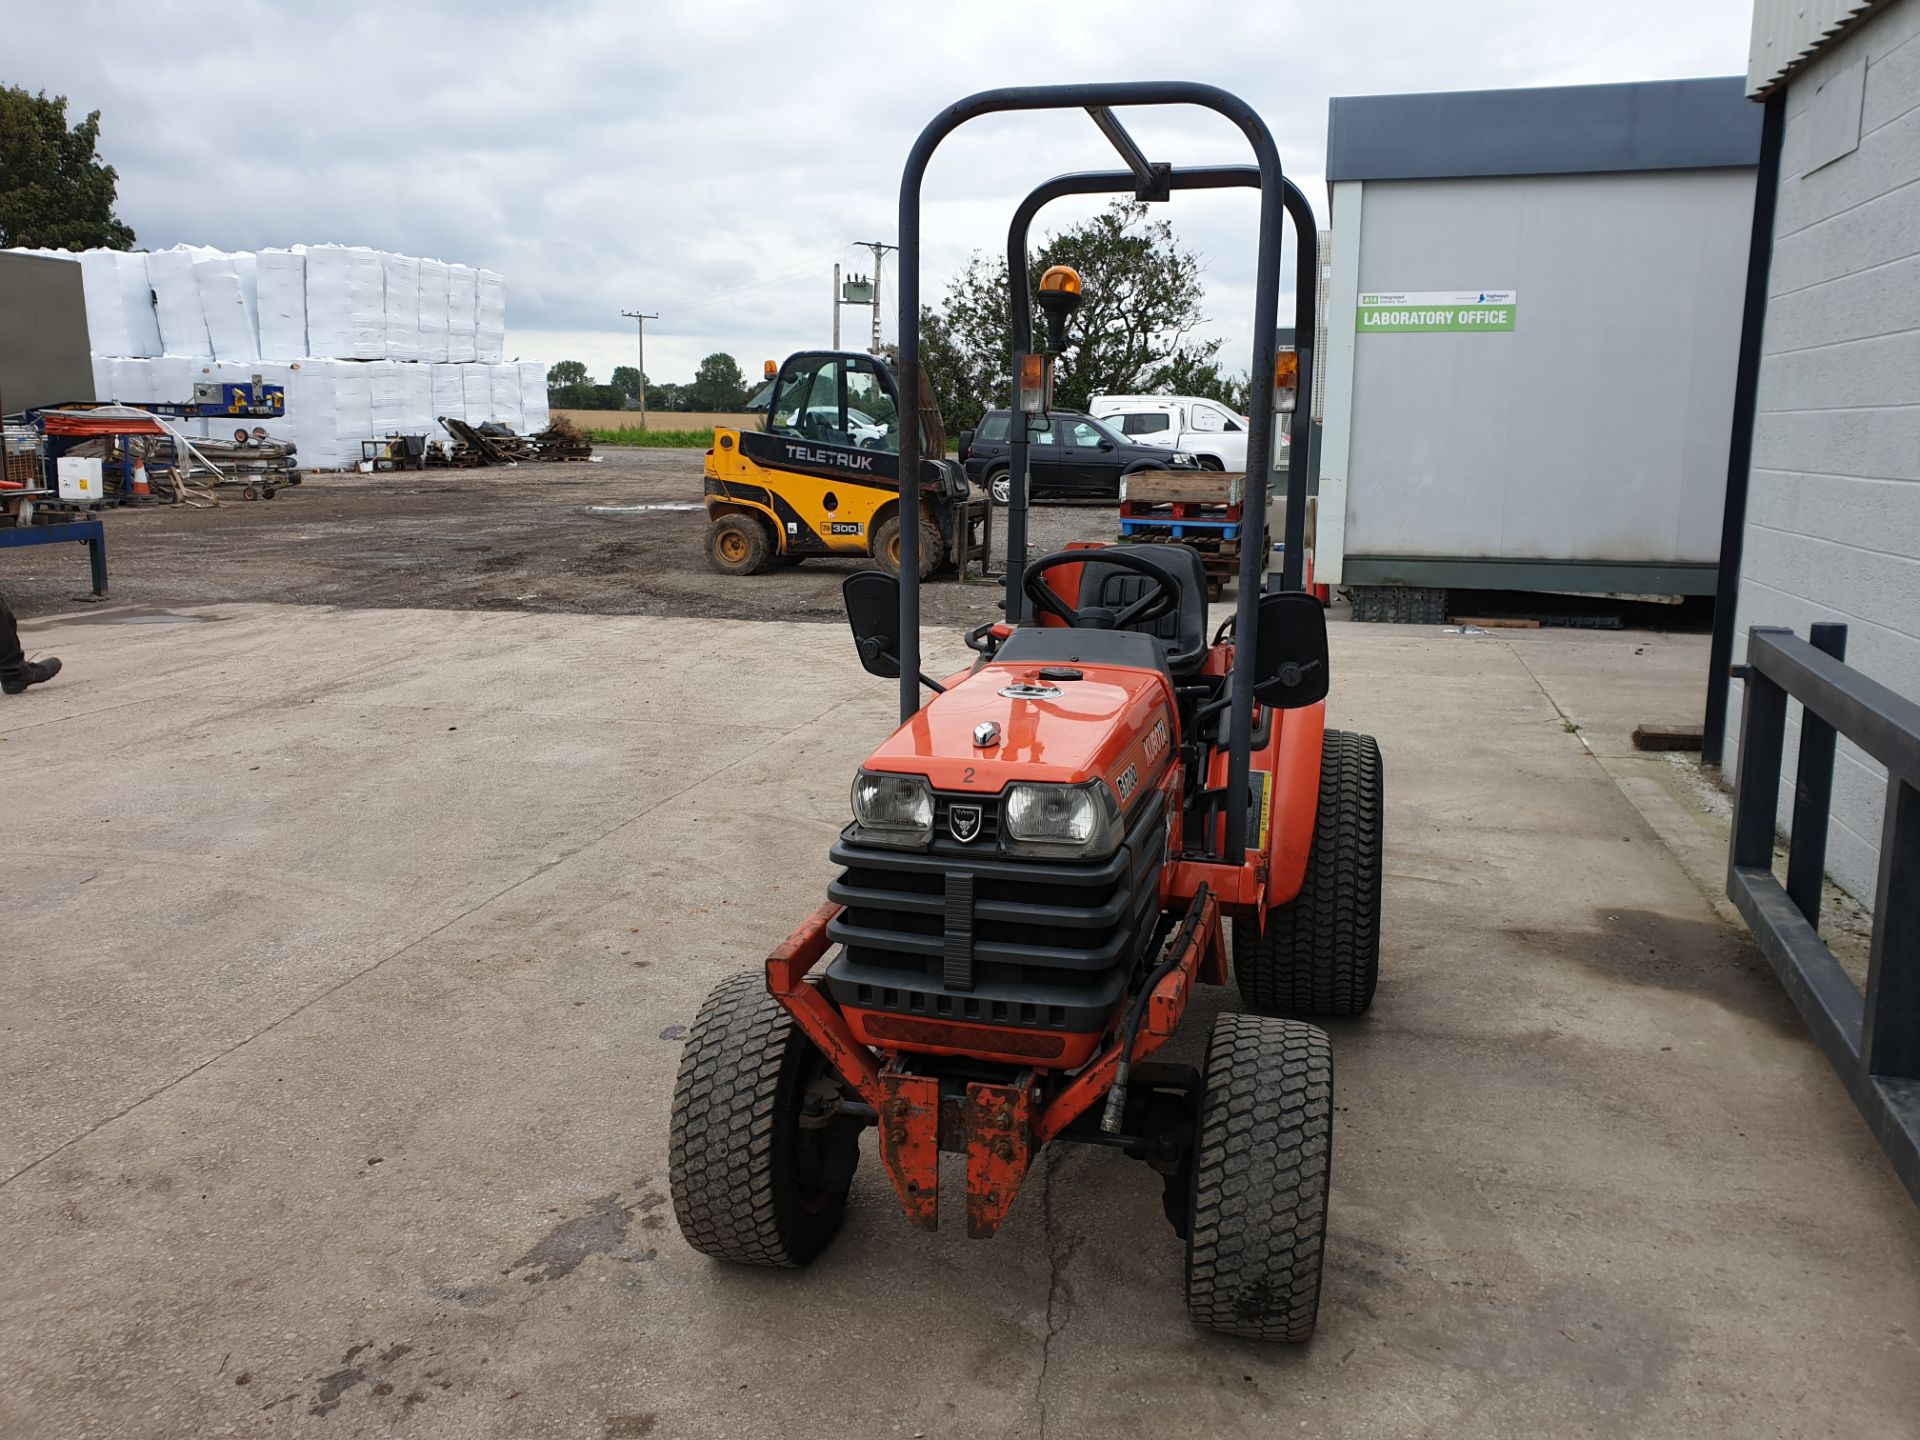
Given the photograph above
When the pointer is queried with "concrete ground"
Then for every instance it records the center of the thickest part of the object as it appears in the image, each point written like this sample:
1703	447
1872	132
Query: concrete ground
345	962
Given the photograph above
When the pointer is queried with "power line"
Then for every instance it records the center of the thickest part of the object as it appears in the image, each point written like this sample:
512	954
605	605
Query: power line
880	249
770	277
640	321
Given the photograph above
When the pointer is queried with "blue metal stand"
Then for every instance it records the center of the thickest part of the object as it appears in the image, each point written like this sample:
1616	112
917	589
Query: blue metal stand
91	533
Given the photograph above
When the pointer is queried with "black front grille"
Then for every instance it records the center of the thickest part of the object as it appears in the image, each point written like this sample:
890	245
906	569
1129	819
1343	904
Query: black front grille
961	931
947	841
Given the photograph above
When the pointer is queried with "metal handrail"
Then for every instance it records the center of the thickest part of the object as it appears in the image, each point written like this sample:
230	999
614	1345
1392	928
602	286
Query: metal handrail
1872	1037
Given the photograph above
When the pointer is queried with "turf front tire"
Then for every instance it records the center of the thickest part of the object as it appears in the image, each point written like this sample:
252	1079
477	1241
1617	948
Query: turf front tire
759	1175
1263	1156
738	545
1320	952
886	547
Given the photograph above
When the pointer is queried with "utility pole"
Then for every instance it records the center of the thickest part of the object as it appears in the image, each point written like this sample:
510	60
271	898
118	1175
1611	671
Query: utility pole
836	304
641	322
880	249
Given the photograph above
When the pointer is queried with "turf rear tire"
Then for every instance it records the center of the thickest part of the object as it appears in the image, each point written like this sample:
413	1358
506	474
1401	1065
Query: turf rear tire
738	545
1263	1155
752	1180
1320	953
886	547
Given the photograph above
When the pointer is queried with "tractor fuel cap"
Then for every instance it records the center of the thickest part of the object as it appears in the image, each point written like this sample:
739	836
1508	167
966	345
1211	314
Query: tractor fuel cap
1061	672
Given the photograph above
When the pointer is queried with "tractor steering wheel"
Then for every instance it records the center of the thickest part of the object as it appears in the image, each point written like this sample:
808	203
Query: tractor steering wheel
1162	595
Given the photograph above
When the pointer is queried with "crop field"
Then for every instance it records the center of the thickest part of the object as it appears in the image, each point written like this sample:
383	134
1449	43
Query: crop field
609	420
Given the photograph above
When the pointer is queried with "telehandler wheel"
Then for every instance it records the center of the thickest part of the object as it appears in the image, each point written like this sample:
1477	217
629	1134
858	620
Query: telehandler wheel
886	547
758	1161
1320	954
738	545
1263	1152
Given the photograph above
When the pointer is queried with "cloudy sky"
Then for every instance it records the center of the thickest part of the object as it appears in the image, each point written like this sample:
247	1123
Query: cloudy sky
712	161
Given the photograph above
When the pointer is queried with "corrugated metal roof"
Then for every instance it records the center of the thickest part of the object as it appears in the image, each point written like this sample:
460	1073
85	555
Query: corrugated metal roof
1787	33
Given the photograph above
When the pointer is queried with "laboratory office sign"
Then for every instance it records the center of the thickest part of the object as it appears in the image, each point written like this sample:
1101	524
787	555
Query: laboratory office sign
1424	312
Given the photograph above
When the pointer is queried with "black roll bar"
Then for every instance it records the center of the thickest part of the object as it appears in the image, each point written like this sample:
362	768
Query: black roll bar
1305	308
1102	98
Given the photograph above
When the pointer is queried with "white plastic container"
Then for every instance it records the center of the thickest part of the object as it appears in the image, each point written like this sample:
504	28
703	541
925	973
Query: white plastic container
79	478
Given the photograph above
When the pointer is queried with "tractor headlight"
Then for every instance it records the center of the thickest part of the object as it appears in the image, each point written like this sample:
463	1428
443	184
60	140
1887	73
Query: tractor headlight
893	809
1069	821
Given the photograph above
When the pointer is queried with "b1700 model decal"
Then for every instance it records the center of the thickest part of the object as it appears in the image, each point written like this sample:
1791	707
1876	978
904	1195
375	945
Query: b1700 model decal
1153	745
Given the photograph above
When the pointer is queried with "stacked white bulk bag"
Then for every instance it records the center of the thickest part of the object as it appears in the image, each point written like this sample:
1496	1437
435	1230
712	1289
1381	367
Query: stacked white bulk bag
490	317
433	311
388	399
329	310
171	378
366	343
449	398
136	305
533	397
462	312
416	400
477	382
176	302
504	395
313	404
106	321
353	416
402	306
346	303
233	326
120	314
131	382
282	303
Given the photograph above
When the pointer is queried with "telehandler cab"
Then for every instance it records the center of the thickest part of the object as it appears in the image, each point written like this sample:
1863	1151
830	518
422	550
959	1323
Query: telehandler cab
822	475
1105	811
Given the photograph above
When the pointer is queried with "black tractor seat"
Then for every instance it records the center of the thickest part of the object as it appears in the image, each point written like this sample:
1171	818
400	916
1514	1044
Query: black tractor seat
1182	630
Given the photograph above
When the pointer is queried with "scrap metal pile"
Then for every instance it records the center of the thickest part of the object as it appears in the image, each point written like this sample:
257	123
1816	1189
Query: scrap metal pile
490	444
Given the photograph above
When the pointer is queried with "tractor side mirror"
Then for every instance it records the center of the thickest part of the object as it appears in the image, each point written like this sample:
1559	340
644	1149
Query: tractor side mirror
873	610
1290	658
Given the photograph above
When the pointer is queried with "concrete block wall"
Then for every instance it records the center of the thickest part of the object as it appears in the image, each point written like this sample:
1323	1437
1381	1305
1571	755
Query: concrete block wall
1833	510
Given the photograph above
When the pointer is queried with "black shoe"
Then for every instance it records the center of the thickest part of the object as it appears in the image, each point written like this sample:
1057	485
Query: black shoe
33	672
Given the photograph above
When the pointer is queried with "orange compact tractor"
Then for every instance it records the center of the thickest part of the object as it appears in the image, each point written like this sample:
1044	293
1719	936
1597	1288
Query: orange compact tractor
1108	809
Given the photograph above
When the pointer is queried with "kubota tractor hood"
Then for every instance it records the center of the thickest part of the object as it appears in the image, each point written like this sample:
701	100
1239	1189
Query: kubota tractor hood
1046	727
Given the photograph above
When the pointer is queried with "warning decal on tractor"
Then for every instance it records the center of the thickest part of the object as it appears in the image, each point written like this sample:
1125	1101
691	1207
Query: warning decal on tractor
1436	311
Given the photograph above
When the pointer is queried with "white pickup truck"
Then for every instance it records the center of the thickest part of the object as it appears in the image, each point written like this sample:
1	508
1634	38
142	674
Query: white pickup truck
1205	429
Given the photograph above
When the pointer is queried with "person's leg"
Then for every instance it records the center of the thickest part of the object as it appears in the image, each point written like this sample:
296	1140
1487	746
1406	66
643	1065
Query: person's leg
12	657
16	671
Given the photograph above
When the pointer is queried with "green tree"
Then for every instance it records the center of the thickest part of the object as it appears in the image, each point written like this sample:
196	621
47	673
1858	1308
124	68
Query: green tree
1187	374
718	384
53	192
627	381
568	372
1135	325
